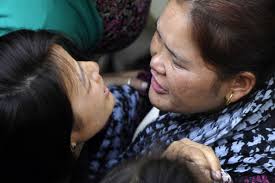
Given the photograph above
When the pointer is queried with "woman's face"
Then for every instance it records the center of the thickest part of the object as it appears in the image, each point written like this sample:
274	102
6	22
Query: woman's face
181	82
91	101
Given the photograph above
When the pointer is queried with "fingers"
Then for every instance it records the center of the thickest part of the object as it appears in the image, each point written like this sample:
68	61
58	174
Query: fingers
208	153
128	77
137	84
199	158
211	158
191	157
201	175
180	150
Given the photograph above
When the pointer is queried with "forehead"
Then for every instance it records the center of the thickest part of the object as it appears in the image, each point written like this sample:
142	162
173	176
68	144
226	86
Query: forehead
61	53
64	59
68	67
175	27
175	24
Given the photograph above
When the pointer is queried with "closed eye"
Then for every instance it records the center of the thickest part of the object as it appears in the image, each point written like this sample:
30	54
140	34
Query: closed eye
83	78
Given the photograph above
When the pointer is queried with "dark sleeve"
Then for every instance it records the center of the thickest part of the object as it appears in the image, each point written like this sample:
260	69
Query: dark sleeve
105	148
254	179
123	21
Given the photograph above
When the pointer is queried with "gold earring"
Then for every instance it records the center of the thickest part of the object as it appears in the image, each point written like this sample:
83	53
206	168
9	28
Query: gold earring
228	99
73	146
76	149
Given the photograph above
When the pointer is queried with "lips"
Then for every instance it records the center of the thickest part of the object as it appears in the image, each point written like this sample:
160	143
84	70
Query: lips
157	87
106	91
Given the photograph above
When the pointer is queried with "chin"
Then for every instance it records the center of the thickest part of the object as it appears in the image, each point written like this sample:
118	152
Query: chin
159	102
163	103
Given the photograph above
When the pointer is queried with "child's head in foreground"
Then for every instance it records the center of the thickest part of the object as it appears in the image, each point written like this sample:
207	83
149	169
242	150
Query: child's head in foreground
151	170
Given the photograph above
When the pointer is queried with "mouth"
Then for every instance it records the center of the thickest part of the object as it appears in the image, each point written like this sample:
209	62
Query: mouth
157	87
106	91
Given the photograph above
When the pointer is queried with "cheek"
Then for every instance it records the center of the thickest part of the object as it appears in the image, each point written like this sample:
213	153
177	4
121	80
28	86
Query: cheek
188	88
179	83
82	105
90	125
81	111
179	88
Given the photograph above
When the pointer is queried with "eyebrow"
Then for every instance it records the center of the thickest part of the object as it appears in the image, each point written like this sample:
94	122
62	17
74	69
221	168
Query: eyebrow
82	76
181	58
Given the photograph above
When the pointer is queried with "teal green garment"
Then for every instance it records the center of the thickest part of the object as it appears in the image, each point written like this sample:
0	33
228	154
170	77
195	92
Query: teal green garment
76	19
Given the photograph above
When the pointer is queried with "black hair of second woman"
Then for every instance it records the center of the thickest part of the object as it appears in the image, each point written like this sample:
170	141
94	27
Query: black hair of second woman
235	35
35	113
150	170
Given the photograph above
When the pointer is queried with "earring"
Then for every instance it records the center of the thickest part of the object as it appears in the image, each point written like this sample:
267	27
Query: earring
76	149
228	99
73	146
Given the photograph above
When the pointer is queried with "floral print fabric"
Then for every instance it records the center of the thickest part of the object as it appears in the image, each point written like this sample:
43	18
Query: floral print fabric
123	21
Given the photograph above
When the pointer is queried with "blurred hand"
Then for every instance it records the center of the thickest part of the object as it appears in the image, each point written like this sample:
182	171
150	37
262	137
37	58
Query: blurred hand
127	77
199	158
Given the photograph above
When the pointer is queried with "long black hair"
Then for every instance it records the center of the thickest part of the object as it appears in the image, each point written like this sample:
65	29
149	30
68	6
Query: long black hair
36	116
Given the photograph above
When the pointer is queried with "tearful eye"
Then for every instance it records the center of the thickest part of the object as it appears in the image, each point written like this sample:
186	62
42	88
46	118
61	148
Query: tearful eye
177	64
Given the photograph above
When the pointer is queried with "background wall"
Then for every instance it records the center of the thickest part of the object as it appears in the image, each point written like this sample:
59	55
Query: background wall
157	6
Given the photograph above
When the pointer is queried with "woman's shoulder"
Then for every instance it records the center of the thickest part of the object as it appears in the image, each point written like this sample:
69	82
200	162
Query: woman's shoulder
84	28
13	14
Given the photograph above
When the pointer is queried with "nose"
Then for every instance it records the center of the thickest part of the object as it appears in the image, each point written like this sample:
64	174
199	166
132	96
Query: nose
157	63
93	69
90	66
93	66
157	55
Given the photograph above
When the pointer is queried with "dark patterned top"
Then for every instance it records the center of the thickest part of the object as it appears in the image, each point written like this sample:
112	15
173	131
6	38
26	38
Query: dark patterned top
114	144
123	21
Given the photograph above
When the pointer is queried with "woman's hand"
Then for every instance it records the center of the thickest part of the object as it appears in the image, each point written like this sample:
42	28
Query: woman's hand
201	159
128	77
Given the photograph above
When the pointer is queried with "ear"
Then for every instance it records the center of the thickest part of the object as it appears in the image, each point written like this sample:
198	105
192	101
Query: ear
241	85
75	134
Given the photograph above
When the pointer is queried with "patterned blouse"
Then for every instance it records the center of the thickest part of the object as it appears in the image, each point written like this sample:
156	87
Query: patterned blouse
114	144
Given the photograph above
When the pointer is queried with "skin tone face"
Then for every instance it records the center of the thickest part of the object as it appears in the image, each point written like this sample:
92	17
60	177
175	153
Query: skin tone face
92	103
182	82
